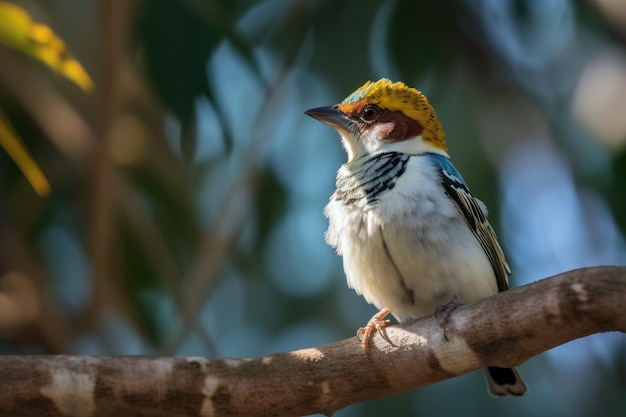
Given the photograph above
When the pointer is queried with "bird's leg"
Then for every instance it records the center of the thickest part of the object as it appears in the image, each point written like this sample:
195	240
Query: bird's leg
443	311
376	324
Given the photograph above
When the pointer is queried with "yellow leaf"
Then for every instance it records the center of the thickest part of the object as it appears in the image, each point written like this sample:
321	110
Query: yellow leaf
13	146
20	32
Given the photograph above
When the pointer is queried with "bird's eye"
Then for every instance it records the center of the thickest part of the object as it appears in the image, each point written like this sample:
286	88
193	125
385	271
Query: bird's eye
370	113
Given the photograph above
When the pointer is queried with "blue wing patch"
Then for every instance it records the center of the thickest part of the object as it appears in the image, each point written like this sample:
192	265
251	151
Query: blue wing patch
444	164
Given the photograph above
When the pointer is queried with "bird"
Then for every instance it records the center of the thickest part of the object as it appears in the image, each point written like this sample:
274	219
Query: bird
411	235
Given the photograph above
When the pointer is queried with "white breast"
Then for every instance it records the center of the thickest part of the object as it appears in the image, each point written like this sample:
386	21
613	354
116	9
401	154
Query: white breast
410	250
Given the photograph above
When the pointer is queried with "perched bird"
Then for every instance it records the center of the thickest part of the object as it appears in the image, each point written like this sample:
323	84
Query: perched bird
411	234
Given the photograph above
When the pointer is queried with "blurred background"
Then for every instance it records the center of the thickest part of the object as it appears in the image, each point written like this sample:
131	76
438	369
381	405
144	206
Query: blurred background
161	191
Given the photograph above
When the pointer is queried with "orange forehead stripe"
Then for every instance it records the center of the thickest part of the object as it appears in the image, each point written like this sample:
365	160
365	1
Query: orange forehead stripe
351	108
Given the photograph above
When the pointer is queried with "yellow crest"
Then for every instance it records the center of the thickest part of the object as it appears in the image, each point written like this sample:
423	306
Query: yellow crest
399	97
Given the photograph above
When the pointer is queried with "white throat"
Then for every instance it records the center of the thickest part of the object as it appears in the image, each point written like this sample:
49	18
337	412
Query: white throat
358	147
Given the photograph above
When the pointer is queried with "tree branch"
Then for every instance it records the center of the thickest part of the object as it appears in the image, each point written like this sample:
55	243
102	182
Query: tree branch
504	330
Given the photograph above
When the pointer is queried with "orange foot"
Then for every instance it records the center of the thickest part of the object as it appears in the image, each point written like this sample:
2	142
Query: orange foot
376	324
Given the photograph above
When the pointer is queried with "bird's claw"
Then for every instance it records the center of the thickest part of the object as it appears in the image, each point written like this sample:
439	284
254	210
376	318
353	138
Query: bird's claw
376	324
442	313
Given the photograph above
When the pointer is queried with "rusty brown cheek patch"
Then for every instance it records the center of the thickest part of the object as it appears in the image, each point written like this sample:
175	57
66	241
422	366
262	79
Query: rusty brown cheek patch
398	127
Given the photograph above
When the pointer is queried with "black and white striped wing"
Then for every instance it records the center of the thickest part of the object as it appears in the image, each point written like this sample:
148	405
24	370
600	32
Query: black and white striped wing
469	207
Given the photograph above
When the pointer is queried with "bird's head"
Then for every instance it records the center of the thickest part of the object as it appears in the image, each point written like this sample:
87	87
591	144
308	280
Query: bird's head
384	116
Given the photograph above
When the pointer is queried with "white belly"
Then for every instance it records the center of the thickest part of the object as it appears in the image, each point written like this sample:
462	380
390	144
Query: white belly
411	250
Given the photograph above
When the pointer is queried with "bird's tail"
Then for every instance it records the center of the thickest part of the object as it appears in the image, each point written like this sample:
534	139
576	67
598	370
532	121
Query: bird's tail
505	381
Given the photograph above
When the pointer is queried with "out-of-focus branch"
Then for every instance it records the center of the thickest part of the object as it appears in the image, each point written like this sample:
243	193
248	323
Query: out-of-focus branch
504	330
115	26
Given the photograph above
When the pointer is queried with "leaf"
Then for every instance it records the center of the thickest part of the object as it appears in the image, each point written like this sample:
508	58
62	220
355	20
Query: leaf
13	146
20	32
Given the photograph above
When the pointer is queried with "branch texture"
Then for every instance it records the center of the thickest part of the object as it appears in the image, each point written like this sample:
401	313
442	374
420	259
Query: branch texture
503	330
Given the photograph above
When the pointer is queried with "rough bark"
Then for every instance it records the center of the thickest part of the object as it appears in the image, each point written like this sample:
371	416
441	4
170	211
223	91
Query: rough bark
504	330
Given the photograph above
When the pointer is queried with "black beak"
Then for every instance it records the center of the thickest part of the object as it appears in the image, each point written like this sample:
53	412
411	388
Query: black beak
330	116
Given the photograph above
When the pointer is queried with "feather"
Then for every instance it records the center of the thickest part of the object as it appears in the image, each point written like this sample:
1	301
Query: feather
476	217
